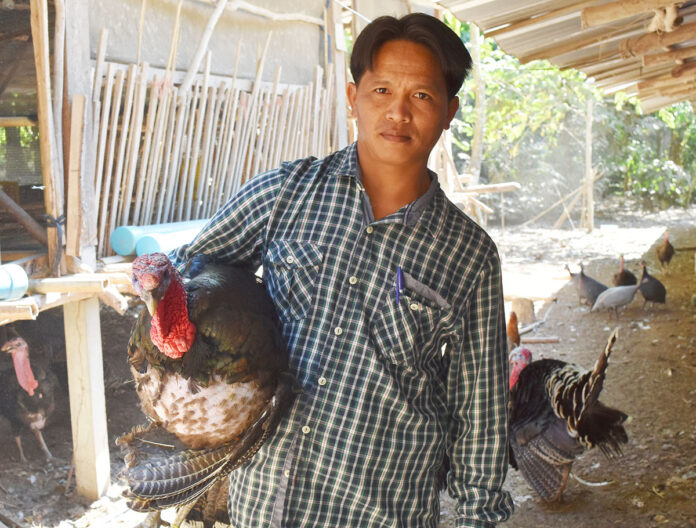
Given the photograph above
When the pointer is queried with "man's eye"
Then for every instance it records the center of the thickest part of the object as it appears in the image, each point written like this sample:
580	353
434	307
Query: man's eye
422	95
381	90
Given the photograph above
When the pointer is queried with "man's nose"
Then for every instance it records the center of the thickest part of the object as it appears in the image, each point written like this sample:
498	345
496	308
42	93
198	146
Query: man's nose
399	110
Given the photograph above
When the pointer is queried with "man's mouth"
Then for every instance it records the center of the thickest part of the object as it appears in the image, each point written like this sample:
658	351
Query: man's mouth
395	137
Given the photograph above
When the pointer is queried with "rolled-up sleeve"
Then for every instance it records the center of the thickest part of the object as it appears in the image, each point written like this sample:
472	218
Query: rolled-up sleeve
478	403
235	233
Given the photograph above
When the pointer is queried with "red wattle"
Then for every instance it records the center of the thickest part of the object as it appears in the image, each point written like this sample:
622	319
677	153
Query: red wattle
25	376
171	330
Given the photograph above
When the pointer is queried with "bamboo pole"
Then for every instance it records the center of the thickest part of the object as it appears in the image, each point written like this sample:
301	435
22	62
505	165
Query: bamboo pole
193	136
146	152
173	131
163	132
73	226
134	145
32	226
589	179
106	189
50	169
125	127
69	284
566	212
224	174
202	46
210	153
103	130
58	74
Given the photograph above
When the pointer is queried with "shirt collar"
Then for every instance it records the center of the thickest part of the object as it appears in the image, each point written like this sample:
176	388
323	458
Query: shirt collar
411	214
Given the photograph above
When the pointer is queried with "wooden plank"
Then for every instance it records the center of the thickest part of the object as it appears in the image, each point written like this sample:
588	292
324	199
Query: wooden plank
17	121
615	11
51	172
87	402
74	220
538	19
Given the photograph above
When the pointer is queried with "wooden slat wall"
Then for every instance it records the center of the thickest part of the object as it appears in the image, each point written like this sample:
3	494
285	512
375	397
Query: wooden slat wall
164	156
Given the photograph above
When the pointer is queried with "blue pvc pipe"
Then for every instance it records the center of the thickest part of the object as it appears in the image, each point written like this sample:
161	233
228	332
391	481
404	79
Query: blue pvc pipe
125	238
164	242
13	282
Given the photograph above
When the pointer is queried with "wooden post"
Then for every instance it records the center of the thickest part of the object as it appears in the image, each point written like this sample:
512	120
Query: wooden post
589	179
51	171
337	56
479	106
87	402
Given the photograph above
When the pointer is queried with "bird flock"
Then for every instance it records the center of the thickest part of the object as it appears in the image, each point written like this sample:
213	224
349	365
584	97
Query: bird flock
555	412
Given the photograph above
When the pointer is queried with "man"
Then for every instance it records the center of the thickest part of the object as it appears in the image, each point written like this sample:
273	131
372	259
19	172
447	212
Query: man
391	305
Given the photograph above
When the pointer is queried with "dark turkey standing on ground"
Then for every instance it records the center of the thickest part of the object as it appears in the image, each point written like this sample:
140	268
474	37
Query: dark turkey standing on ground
651	289
27	395
555	415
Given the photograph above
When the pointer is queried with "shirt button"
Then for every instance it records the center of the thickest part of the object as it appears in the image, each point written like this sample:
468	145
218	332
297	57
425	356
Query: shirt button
369	229
414	306
290	260
322	381
287	473
306	429
353	280
338	330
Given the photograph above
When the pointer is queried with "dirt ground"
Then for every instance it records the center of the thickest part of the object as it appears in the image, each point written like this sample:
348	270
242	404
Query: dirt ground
652	377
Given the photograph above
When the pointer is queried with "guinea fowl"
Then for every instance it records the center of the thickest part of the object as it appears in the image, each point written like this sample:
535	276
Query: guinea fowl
587	287
651	289
27	396
555	415
665	251
211	371
623	277
614	298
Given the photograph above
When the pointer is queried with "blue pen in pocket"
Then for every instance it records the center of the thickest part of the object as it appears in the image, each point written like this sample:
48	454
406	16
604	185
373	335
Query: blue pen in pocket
399	283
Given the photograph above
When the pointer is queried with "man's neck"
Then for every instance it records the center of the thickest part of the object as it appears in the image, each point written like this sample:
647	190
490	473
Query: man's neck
391	187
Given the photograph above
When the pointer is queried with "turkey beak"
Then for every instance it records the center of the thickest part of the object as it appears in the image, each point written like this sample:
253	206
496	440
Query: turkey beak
150	302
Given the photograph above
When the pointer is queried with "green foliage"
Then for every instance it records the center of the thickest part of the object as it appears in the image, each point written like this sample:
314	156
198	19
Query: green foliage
535	134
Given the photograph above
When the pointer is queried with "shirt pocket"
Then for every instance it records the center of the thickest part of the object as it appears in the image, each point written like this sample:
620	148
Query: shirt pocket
290	272
404	333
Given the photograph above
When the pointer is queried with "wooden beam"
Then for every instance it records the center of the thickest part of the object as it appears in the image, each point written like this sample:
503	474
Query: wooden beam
680	71
87	402
32	226
655	104
666	79
676	56
74	220
531	21
17	121
51	172
613	11
573	44
641	45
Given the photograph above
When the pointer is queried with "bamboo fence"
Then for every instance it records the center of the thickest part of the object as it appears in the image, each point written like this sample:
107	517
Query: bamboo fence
165	154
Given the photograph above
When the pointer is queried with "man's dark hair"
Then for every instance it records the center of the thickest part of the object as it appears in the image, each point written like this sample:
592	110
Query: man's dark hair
420	28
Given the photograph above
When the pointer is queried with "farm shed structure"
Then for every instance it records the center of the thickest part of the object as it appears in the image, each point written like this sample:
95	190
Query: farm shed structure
645	48
141	112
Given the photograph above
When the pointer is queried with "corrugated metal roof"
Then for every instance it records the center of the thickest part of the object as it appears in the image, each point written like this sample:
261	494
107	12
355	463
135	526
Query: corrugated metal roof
552	29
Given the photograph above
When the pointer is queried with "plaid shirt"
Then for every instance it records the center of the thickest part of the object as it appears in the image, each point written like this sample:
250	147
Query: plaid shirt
387	387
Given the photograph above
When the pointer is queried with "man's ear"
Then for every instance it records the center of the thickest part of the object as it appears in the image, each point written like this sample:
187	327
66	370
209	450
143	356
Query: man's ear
352	94
452	108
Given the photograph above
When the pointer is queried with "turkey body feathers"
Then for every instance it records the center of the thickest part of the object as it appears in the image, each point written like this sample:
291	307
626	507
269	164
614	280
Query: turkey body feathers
556	415
213	407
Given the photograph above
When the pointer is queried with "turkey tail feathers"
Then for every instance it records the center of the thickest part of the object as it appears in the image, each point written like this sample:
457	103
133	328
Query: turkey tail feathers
544	467
596	381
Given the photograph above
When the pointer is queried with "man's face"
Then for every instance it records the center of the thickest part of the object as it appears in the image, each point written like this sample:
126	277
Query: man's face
401	105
